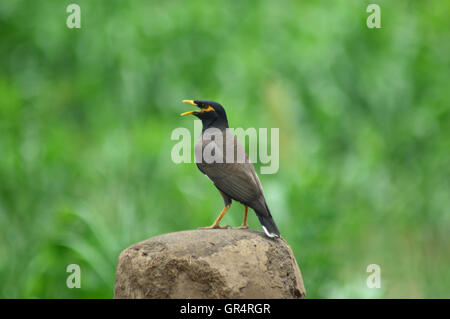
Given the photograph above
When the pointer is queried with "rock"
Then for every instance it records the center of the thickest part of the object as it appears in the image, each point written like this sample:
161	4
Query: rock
216	263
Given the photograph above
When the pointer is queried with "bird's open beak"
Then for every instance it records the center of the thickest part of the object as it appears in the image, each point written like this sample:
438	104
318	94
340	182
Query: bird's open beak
190	112
204	109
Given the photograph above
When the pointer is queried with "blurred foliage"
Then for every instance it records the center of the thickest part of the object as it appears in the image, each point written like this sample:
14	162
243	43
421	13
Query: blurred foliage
86	117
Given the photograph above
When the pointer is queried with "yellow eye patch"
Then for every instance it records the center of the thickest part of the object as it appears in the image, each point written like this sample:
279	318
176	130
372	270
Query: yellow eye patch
208	109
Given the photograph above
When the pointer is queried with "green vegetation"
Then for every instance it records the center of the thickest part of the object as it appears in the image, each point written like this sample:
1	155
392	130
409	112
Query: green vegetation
86	117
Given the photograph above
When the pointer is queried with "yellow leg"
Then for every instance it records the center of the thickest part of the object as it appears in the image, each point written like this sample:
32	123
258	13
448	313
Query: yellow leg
216	225
244	225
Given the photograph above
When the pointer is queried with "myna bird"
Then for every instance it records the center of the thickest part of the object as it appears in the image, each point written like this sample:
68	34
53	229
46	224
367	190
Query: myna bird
235	179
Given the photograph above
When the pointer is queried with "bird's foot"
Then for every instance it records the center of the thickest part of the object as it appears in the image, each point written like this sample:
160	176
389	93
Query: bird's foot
243	227
217	226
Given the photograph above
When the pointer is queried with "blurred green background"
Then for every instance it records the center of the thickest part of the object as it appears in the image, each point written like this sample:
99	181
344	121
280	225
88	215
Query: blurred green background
86	117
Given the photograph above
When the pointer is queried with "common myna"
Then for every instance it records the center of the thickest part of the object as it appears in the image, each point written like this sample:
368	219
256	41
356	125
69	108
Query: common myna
236	178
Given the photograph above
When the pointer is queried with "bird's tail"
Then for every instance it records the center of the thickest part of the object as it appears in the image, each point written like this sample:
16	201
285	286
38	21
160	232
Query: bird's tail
267	222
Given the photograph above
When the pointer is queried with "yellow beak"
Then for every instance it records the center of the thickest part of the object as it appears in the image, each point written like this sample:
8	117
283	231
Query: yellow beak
190	112
189	101
207	109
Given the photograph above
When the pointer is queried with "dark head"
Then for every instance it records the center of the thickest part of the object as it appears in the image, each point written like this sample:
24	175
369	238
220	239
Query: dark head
211	113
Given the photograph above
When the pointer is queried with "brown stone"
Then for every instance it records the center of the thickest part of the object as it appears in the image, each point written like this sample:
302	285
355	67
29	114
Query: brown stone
219	263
